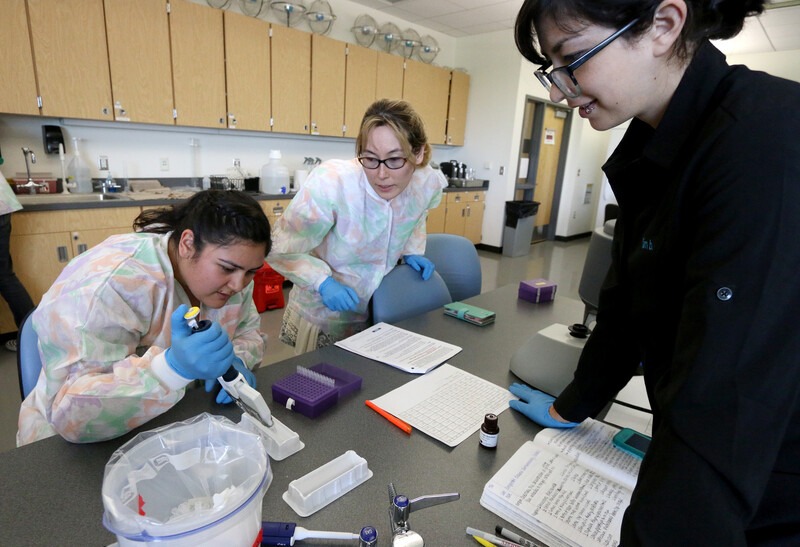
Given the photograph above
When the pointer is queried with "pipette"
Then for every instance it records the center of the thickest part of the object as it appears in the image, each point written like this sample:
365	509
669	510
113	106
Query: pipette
286	533
246	398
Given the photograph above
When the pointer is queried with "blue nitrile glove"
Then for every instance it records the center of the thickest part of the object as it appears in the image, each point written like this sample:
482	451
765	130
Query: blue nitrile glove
421	264
200	355
338	297
223	398
536	405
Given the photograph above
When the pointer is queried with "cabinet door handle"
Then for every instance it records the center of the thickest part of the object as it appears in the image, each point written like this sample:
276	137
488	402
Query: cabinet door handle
82	248
469	211
62	254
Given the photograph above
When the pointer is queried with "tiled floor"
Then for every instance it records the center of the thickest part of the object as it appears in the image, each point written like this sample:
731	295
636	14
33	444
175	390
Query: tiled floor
557	261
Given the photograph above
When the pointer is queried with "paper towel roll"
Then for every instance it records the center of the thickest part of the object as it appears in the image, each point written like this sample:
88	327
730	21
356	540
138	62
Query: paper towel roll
300	178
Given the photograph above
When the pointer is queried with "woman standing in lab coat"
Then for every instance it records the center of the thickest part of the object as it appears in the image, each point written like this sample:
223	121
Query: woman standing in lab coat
351	222
703	288
116	350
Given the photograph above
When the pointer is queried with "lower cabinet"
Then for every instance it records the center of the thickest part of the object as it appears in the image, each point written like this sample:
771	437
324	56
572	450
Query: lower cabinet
464	214
43	242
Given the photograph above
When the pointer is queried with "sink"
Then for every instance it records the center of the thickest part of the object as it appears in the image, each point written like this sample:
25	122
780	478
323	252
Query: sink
39	199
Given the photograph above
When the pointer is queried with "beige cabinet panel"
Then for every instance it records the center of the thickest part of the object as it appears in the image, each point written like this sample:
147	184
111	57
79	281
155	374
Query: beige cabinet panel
291	78
389	81
139	57
327	85
83	240
473	225
360	84
464	214
435	221
71	58
17	78
274	208
247	72
427	88
457	108
198	64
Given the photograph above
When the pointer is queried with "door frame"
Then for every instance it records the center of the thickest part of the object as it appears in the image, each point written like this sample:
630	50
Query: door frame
534	140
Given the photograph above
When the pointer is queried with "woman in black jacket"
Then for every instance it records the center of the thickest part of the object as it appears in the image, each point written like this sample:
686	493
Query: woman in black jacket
703	288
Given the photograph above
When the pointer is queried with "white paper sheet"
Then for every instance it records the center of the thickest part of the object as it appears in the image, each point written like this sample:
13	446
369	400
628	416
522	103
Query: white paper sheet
399	348
448	403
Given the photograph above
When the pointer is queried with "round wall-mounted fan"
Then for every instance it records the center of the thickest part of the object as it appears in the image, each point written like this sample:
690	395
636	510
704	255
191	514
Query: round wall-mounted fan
364	29
219	4
388	36
288	12
320	17
251	7
408	43
428	49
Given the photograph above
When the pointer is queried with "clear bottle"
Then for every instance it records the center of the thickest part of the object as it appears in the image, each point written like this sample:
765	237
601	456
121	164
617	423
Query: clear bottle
78	172
274	175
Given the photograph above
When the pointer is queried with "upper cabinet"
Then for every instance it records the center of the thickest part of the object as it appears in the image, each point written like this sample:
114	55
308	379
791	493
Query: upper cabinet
139	57
427	88
247	72
328	57
71	58
181	62
457	108
17	78
198	64
389	82
291	76
360	84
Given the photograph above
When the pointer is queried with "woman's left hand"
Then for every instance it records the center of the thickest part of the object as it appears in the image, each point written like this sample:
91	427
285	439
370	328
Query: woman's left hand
222	397
421	264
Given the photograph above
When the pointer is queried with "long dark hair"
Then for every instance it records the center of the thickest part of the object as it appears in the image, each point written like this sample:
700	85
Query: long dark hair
709	19
219	217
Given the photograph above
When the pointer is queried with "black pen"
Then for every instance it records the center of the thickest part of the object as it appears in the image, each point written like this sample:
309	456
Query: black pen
516	538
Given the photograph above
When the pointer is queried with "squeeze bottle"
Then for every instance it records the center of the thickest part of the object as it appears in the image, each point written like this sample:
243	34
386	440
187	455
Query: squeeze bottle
78	172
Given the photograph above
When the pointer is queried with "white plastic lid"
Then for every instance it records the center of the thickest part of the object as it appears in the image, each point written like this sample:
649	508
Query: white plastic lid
275	154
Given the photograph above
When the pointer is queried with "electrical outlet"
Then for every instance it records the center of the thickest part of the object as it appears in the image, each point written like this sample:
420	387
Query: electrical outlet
164	164
236	162
502	169
103	163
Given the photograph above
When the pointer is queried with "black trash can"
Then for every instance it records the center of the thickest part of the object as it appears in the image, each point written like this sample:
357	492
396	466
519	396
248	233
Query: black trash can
518	231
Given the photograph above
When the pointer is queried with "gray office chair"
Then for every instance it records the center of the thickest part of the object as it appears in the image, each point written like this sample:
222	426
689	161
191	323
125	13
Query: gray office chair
29	363
598	261
403	294
457	262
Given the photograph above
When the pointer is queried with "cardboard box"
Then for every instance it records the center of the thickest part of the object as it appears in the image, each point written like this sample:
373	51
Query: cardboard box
537	290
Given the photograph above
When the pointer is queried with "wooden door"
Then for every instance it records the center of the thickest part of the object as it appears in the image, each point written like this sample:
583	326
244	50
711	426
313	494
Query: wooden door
139	57
389	77
473	216
457	108
17	78
361	73
39	259
291	80
427	88
71	58
198	64
247	72
547	169
327	85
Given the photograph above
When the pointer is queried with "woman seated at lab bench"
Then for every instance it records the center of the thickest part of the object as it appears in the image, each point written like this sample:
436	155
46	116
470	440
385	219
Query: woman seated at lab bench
115	348
351	223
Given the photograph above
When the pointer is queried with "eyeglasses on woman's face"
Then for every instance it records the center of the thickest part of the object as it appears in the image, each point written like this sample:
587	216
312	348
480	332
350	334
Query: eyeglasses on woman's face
390	163
564	77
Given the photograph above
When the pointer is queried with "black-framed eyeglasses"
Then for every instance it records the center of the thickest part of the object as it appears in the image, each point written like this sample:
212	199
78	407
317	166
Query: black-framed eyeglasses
374	163
563	77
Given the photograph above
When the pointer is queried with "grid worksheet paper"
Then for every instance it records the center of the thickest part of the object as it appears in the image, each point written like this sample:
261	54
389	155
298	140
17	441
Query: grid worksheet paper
448	403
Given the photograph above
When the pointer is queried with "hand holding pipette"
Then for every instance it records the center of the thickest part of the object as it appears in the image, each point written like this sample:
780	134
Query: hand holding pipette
233	380
202	354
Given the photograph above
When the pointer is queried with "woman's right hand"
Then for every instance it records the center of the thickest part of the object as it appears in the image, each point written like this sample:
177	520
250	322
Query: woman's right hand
198	355
338	297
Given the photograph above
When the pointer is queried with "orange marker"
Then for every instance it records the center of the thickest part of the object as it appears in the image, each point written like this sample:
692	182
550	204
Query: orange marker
394	420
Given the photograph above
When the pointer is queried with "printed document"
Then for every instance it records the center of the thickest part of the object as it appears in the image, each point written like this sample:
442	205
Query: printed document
399	348
566	487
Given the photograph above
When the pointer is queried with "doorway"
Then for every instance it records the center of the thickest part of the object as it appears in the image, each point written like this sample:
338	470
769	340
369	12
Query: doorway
542	155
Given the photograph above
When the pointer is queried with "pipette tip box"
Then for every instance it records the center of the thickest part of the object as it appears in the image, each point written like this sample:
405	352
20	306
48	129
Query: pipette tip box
311	391
537	290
